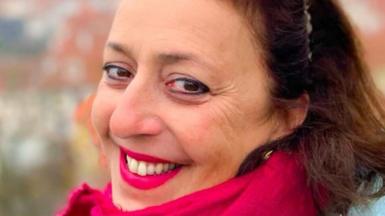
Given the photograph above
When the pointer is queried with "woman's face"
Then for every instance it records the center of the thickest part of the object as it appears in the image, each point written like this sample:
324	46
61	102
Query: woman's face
183	95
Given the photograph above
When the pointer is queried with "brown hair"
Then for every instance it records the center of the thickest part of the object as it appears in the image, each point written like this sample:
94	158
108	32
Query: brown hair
342	138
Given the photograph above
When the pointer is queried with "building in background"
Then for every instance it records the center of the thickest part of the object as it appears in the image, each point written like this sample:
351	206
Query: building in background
50	62
74	54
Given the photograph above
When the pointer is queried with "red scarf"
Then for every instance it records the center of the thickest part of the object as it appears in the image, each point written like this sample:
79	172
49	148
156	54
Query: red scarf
277	187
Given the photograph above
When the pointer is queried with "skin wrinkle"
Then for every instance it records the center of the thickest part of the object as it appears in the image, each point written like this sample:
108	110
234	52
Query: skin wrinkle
212	134
213	124
199	31
167	57
212	64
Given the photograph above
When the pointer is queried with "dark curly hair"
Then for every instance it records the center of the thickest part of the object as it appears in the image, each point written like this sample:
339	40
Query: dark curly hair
342	139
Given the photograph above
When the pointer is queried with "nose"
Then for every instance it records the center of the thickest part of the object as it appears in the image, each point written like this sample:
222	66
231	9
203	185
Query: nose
134	114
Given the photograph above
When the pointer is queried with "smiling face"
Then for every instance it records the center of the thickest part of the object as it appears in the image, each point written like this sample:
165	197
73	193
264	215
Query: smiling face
182	101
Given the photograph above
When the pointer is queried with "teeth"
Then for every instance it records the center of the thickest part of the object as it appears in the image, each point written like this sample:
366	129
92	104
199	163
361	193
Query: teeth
165	167
133	167
158	168
151	169
143	168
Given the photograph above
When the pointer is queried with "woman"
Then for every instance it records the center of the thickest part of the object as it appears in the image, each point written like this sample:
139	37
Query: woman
243	107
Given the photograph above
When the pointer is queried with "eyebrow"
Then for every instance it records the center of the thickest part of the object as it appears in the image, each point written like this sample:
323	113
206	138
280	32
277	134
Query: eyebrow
119	48
166	57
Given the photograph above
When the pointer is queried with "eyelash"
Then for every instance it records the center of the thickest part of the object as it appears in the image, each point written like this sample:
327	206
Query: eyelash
178	85
119	74
196	87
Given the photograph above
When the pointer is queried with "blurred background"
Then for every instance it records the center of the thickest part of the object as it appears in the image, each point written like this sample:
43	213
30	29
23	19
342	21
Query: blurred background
50	63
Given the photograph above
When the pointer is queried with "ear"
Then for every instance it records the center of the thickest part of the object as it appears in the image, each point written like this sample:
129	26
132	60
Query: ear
292	116
297	113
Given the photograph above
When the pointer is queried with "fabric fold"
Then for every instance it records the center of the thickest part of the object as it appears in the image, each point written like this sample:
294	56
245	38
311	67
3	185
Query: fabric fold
277	187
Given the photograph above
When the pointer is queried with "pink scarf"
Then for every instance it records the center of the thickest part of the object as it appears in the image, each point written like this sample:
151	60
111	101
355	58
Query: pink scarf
277	187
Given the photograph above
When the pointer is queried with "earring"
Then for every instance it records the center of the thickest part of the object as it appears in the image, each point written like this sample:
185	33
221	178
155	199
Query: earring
267	154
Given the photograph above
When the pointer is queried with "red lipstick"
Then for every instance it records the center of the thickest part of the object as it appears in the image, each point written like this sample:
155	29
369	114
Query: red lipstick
142	157
148	181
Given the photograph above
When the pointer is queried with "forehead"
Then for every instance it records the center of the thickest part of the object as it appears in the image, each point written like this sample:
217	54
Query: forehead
205	25
197	14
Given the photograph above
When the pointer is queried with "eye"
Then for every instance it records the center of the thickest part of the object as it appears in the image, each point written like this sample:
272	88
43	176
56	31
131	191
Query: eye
117	73
187	86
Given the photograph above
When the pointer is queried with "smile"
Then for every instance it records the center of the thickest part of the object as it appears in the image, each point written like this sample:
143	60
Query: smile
143	168
145	172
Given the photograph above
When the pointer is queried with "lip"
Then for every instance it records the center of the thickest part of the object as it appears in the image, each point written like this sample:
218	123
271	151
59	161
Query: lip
143	157
144	182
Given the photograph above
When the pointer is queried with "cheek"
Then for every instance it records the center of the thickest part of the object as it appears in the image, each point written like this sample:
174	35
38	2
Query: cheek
222	133
204	135
102	109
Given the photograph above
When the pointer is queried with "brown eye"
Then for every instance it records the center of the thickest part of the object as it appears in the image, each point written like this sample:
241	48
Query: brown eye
187	86
117	73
